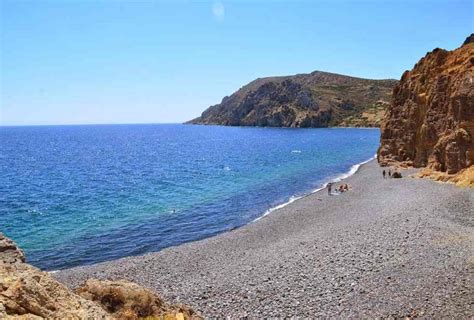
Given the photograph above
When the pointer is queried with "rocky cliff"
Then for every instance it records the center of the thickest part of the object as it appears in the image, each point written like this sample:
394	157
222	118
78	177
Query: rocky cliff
430	122
318	99
28	293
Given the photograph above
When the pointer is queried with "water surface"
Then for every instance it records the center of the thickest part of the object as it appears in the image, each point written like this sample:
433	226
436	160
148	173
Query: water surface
75	195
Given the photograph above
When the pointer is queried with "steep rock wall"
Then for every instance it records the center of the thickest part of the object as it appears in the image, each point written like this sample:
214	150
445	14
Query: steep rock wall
430	122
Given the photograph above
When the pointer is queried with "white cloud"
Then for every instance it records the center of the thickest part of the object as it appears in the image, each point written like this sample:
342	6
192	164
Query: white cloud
218	11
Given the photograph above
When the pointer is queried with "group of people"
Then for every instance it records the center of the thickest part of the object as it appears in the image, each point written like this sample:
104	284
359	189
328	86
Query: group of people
342	188
345	187
389	173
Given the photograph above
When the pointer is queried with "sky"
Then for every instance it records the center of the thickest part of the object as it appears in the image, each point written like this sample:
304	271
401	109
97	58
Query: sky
111	61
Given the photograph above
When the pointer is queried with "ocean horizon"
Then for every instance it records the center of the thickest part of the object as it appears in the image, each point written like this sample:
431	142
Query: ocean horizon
81	194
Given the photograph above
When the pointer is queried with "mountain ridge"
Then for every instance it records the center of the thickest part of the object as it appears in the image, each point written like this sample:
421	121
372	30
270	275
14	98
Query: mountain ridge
316	99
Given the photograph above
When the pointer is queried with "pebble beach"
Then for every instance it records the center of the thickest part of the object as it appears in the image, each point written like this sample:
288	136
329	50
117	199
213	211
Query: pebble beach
387	248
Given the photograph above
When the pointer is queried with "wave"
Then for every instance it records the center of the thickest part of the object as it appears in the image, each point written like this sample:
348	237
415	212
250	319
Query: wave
339	178
291	200
351	171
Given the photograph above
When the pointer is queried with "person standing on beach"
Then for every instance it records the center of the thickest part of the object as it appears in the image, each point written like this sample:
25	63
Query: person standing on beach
389	173
329	188
383	173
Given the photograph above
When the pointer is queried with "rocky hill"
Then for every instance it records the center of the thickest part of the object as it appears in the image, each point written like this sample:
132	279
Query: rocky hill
430	122
318	99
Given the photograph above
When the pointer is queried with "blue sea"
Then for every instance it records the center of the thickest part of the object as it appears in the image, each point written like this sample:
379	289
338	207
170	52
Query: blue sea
77	195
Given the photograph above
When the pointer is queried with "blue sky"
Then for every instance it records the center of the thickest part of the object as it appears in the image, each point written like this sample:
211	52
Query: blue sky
71	61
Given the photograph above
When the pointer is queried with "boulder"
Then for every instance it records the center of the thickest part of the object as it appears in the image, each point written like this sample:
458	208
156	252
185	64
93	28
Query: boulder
29	293
396	175
9	252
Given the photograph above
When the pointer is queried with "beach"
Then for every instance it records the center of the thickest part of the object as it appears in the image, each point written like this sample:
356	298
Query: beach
387	248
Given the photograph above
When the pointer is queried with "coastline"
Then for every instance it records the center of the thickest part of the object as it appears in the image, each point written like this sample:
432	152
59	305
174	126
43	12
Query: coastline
275	127
370	252
353	170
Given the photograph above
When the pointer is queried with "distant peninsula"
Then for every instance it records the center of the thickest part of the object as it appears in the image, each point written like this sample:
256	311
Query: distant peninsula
317	99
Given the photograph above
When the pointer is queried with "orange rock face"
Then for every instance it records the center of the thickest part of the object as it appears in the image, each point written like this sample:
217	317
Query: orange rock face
430	122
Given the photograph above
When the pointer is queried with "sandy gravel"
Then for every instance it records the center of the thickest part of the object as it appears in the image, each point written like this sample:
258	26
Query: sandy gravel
388	248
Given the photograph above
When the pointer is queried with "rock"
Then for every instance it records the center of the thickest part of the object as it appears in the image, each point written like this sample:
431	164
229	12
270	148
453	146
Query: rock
463	178
469	39
396	175
318	99
126	300
9	252
430	122
29	293
32	294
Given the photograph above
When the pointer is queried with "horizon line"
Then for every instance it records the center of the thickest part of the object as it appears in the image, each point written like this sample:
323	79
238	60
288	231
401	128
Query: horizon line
84	124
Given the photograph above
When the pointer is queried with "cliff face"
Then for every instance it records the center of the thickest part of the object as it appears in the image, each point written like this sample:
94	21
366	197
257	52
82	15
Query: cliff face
318	99
29	293
430	122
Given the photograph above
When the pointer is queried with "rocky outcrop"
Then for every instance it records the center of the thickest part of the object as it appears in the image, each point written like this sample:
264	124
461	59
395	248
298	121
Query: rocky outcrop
464	178
126	300
28	293
318	99
9	252
469	39
430	122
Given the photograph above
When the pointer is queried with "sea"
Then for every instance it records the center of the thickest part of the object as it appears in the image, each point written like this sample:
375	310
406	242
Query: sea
83	194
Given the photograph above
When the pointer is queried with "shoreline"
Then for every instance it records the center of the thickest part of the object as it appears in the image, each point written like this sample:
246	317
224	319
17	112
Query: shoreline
371	252
353	170
276	127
